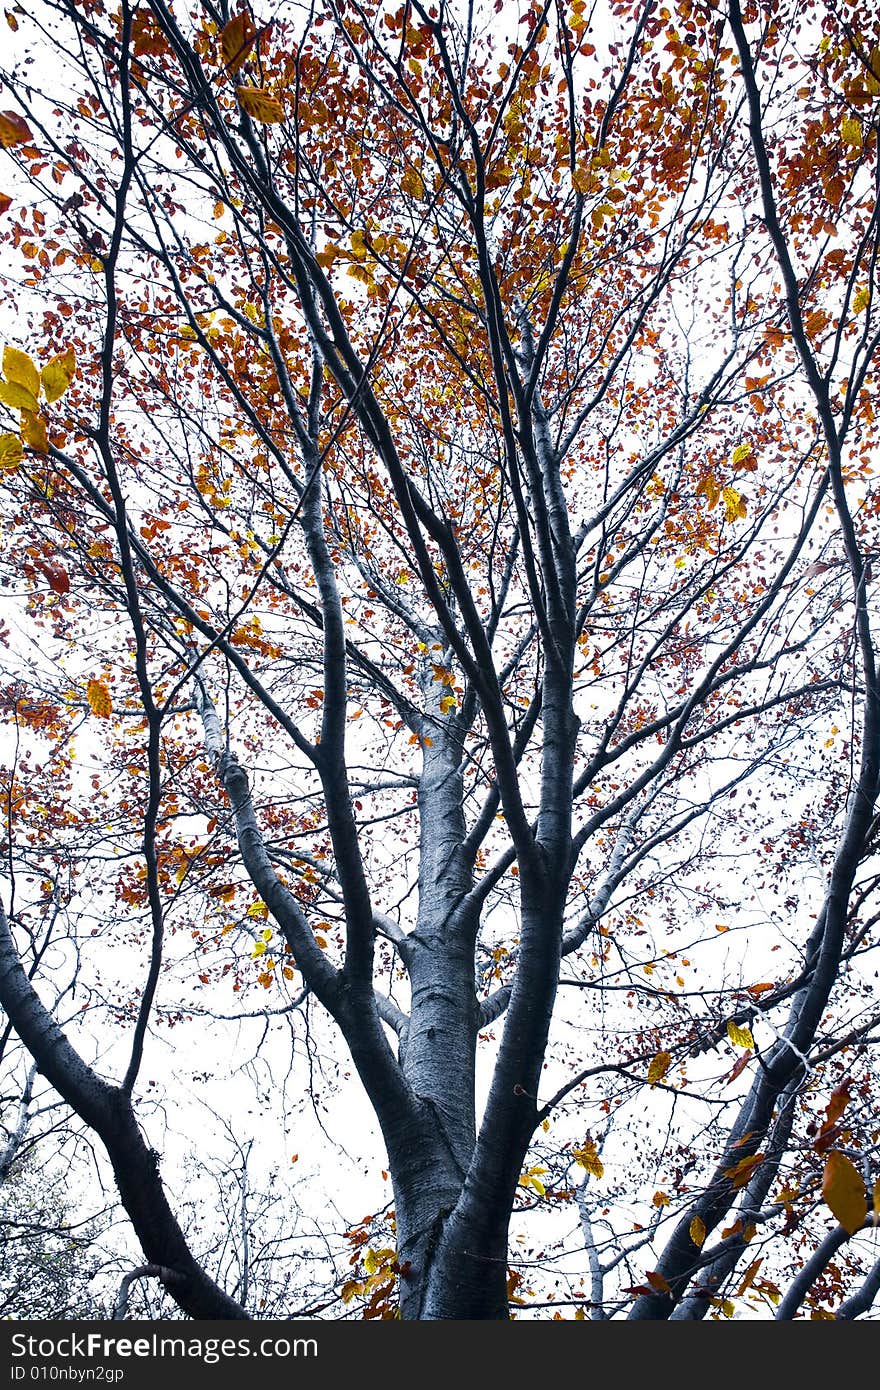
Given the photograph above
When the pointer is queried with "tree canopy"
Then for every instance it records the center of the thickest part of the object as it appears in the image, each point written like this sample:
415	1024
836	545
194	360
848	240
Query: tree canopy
439	510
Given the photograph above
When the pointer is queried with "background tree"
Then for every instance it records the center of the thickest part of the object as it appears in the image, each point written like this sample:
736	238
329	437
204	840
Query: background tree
440	475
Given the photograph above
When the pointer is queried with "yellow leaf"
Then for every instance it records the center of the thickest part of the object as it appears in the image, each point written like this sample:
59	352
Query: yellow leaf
266	934
259	949
18	397
359	243
740	454
659	1067
11	452
260	104
588	1158
412	183
734	504
99	699
33	432
740	1037
447	703
58	373
258	909
851	132
21	369
876	1202
844	1192
861	299
661	1199
697	1231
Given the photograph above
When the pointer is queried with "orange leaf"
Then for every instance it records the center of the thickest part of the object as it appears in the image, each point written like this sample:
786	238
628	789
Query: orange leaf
740	1173
99	699
147	38
5	202
844	1192
657	1282
14	129
749	1277
260	104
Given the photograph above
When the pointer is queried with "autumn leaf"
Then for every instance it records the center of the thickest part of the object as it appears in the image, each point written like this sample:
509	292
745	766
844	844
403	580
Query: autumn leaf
741	453
740	1037
815	322
734	504
708	487
98	696
33	432
260	104
11	452
56	575
57	374
851	132
447	703
14	130
861	299
412	183
237	39
657	1281
5	202
21	370
588	1157
697	1231
658	1068
147	38
757	990
18	397
844	1192
740	1173
749	1277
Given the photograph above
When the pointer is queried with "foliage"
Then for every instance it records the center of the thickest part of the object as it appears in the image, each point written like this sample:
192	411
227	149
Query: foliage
439	512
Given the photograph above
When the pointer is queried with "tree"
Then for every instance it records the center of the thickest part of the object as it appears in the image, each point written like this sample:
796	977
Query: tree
439	470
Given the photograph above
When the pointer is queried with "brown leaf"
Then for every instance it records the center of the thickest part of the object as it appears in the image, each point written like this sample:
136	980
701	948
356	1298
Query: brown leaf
14	130
236	41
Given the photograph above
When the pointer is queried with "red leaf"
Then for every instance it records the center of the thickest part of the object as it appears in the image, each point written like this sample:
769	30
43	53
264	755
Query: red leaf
56	575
